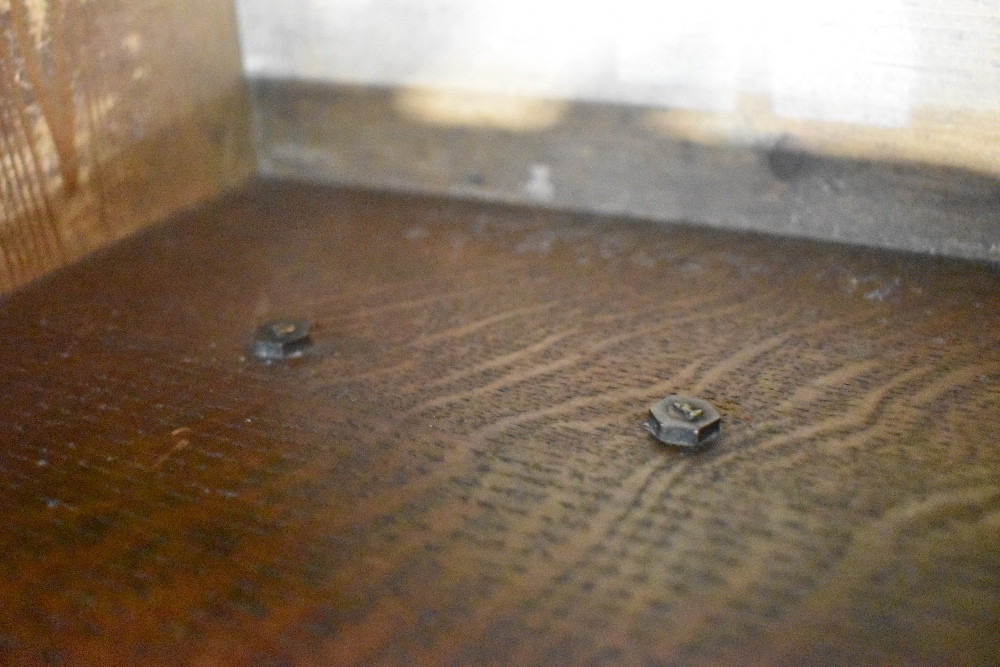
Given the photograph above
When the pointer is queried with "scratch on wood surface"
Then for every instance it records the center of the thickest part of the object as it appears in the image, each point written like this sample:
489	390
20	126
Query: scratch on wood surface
179	444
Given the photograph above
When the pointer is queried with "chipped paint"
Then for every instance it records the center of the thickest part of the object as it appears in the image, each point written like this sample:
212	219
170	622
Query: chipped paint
539	185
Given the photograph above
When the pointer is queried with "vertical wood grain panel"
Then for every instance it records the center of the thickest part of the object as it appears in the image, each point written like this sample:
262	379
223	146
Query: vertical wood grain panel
113	116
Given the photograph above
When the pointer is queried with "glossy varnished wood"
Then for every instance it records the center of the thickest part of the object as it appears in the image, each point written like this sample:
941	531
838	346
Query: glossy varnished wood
457	474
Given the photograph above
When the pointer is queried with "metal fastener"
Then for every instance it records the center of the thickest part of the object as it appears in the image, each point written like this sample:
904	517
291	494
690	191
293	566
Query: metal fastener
683	421
281	339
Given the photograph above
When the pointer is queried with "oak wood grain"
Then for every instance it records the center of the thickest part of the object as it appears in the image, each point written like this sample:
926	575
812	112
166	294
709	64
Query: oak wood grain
456	472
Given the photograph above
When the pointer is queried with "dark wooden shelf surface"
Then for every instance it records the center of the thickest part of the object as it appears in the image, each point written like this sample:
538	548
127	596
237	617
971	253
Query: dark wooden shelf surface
456	472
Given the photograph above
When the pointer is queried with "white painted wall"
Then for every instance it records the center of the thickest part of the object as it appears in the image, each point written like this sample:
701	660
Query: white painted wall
867	62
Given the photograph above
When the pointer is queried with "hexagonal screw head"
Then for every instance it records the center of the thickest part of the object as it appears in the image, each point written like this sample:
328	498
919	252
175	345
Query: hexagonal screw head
281	339
683	421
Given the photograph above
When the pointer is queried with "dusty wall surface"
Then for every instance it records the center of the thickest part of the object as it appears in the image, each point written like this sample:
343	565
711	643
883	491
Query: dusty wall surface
114	115
610	159
910	80
874	123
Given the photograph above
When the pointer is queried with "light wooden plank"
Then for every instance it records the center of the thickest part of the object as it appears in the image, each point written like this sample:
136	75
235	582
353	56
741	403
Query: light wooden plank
114	115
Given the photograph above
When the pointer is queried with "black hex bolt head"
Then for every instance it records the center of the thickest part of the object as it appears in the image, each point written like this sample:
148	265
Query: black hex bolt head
281	339
683	421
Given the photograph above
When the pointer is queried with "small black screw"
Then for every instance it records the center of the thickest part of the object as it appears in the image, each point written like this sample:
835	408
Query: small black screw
281	339
683	421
